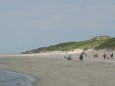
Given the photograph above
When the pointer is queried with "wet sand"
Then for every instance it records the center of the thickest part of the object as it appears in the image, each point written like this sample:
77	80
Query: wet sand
55	70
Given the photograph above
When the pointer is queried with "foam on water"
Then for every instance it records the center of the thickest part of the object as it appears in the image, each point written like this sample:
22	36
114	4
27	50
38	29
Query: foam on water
8	78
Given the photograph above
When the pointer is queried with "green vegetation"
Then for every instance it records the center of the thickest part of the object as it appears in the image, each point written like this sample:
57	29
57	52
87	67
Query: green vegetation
109	44
99	42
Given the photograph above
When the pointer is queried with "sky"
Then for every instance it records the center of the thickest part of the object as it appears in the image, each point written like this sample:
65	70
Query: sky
30	24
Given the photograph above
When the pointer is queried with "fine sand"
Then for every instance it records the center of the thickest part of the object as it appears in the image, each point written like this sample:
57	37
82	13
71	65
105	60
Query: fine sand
55	70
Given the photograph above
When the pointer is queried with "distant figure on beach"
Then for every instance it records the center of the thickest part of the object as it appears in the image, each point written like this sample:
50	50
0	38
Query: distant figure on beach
96	55
104	55
81	56
111	55
69	57
66	55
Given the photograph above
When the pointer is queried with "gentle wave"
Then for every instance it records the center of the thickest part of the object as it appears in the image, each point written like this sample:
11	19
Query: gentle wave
8	78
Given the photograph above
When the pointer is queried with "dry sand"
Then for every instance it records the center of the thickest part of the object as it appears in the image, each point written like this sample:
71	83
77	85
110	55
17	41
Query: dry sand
55	70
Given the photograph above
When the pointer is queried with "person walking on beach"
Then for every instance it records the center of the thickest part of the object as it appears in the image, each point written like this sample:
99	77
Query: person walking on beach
111	55
104	55
81	56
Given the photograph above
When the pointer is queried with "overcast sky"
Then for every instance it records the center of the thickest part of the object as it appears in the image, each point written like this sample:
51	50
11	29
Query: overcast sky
30	24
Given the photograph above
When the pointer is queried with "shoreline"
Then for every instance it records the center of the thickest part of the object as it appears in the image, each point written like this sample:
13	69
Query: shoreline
55	70
10	78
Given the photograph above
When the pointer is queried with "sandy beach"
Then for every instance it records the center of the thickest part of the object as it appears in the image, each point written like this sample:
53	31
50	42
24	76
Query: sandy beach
55	70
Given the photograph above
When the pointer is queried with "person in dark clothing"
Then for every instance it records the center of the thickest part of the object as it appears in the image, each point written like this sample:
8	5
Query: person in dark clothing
112	56
81	57
104	55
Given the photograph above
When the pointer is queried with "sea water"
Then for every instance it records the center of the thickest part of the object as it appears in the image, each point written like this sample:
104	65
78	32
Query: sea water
8	78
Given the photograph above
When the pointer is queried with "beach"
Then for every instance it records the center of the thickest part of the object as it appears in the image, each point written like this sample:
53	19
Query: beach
55	70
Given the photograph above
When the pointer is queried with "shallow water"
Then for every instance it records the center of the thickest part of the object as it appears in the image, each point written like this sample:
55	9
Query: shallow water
8	78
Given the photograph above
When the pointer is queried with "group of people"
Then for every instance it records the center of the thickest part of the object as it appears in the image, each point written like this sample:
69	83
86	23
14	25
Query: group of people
68	56
105	56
